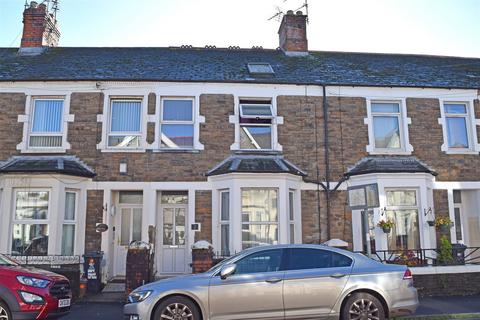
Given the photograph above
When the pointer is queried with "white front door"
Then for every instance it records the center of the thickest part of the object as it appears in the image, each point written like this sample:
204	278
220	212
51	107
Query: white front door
128	228
172	238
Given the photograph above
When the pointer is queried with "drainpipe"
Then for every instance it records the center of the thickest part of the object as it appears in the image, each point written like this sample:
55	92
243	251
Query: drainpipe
327	158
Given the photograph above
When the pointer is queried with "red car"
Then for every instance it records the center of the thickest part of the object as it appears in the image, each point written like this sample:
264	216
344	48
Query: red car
28	293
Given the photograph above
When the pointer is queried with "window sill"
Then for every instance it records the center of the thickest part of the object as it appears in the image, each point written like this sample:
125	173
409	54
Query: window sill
45	150
176	151
461	151
257	151
391	152
123	150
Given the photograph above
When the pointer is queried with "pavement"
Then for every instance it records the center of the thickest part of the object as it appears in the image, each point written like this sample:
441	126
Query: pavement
437	308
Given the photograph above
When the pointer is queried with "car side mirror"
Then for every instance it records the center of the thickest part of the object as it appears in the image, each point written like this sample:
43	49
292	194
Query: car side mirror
227	271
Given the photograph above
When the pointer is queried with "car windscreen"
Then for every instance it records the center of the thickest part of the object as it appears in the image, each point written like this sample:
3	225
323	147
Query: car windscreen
219	265
4	261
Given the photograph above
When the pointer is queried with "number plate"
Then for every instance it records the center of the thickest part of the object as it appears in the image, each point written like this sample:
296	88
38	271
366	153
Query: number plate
62	303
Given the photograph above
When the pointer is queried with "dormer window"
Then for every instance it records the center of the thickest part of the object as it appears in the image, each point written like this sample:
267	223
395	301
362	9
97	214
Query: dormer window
256	125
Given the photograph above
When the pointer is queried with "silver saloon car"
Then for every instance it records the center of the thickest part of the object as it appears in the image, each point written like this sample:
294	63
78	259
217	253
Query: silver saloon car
281	282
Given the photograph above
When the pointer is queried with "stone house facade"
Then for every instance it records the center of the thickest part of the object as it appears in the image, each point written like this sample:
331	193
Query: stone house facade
239	147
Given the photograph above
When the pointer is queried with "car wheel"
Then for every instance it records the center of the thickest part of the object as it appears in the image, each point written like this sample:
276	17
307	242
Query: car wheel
362	306
4	312
177	308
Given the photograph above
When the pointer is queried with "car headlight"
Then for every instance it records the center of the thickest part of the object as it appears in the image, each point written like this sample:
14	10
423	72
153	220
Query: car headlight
31	298
139	296
33	282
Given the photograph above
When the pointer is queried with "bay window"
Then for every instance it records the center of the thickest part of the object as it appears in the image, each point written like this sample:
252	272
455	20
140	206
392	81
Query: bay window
457	123
225	222
69	220
256	125
30	223
125	124
291	216
177	124
259	217
402	209
46	128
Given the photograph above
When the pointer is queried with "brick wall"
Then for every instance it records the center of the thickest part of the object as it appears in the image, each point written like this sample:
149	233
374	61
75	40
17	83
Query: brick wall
447	284
203	215
11	131
93	239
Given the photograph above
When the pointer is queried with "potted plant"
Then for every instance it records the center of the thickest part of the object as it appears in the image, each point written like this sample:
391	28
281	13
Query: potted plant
445	256
386	225
443	223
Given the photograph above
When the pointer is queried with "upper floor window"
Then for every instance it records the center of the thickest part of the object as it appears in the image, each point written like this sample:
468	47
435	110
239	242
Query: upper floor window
456	116
386	125
256	125
46	129
125	124
177	124
388	128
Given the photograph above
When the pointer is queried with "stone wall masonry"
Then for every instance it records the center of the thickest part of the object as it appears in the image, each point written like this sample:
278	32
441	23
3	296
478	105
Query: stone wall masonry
93	239
203	215
11	131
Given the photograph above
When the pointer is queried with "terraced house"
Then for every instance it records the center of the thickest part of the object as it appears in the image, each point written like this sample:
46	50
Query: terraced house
239	147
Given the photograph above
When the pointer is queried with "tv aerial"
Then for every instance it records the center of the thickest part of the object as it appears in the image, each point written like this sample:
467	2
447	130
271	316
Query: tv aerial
280	12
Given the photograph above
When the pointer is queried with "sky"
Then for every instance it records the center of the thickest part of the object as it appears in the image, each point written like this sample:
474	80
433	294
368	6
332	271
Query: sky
439	27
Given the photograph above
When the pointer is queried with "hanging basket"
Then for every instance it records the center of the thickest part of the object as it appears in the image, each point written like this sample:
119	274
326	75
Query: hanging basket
386	230
444	227
431	223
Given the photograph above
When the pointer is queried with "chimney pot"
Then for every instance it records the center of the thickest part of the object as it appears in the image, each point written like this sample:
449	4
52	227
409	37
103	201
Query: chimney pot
293	34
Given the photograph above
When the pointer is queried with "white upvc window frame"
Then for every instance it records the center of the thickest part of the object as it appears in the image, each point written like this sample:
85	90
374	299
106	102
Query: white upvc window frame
223	222
416	207
275	121
471	124
46	221
70	222
403	123
260	223
179	122
139	134
27	120
291	216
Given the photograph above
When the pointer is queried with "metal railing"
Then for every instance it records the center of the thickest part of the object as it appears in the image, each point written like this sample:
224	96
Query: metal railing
428	257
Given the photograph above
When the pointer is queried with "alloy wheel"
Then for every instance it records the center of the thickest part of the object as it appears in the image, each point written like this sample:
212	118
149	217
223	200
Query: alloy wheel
175	311
364	309
3	314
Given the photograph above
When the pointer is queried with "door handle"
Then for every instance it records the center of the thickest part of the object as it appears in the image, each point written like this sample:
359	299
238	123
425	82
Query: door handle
273	280
337	275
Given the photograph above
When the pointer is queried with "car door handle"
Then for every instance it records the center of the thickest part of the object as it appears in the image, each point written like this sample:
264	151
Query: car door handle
273	280
337	275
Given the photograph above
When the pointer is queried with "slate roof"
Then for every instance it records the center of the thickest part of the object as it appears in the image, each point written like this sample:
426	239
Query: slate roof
255	164
230	65
389	165
67	165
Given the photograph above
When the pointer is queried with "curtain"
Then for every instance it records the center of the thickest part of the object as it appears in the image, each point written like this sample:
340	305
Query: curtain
126	116
47	116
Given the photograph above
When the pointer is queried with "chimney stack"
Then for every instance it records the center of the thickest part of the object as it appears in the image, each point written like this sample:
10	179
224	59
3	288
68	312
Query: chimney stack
40	30
293	34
